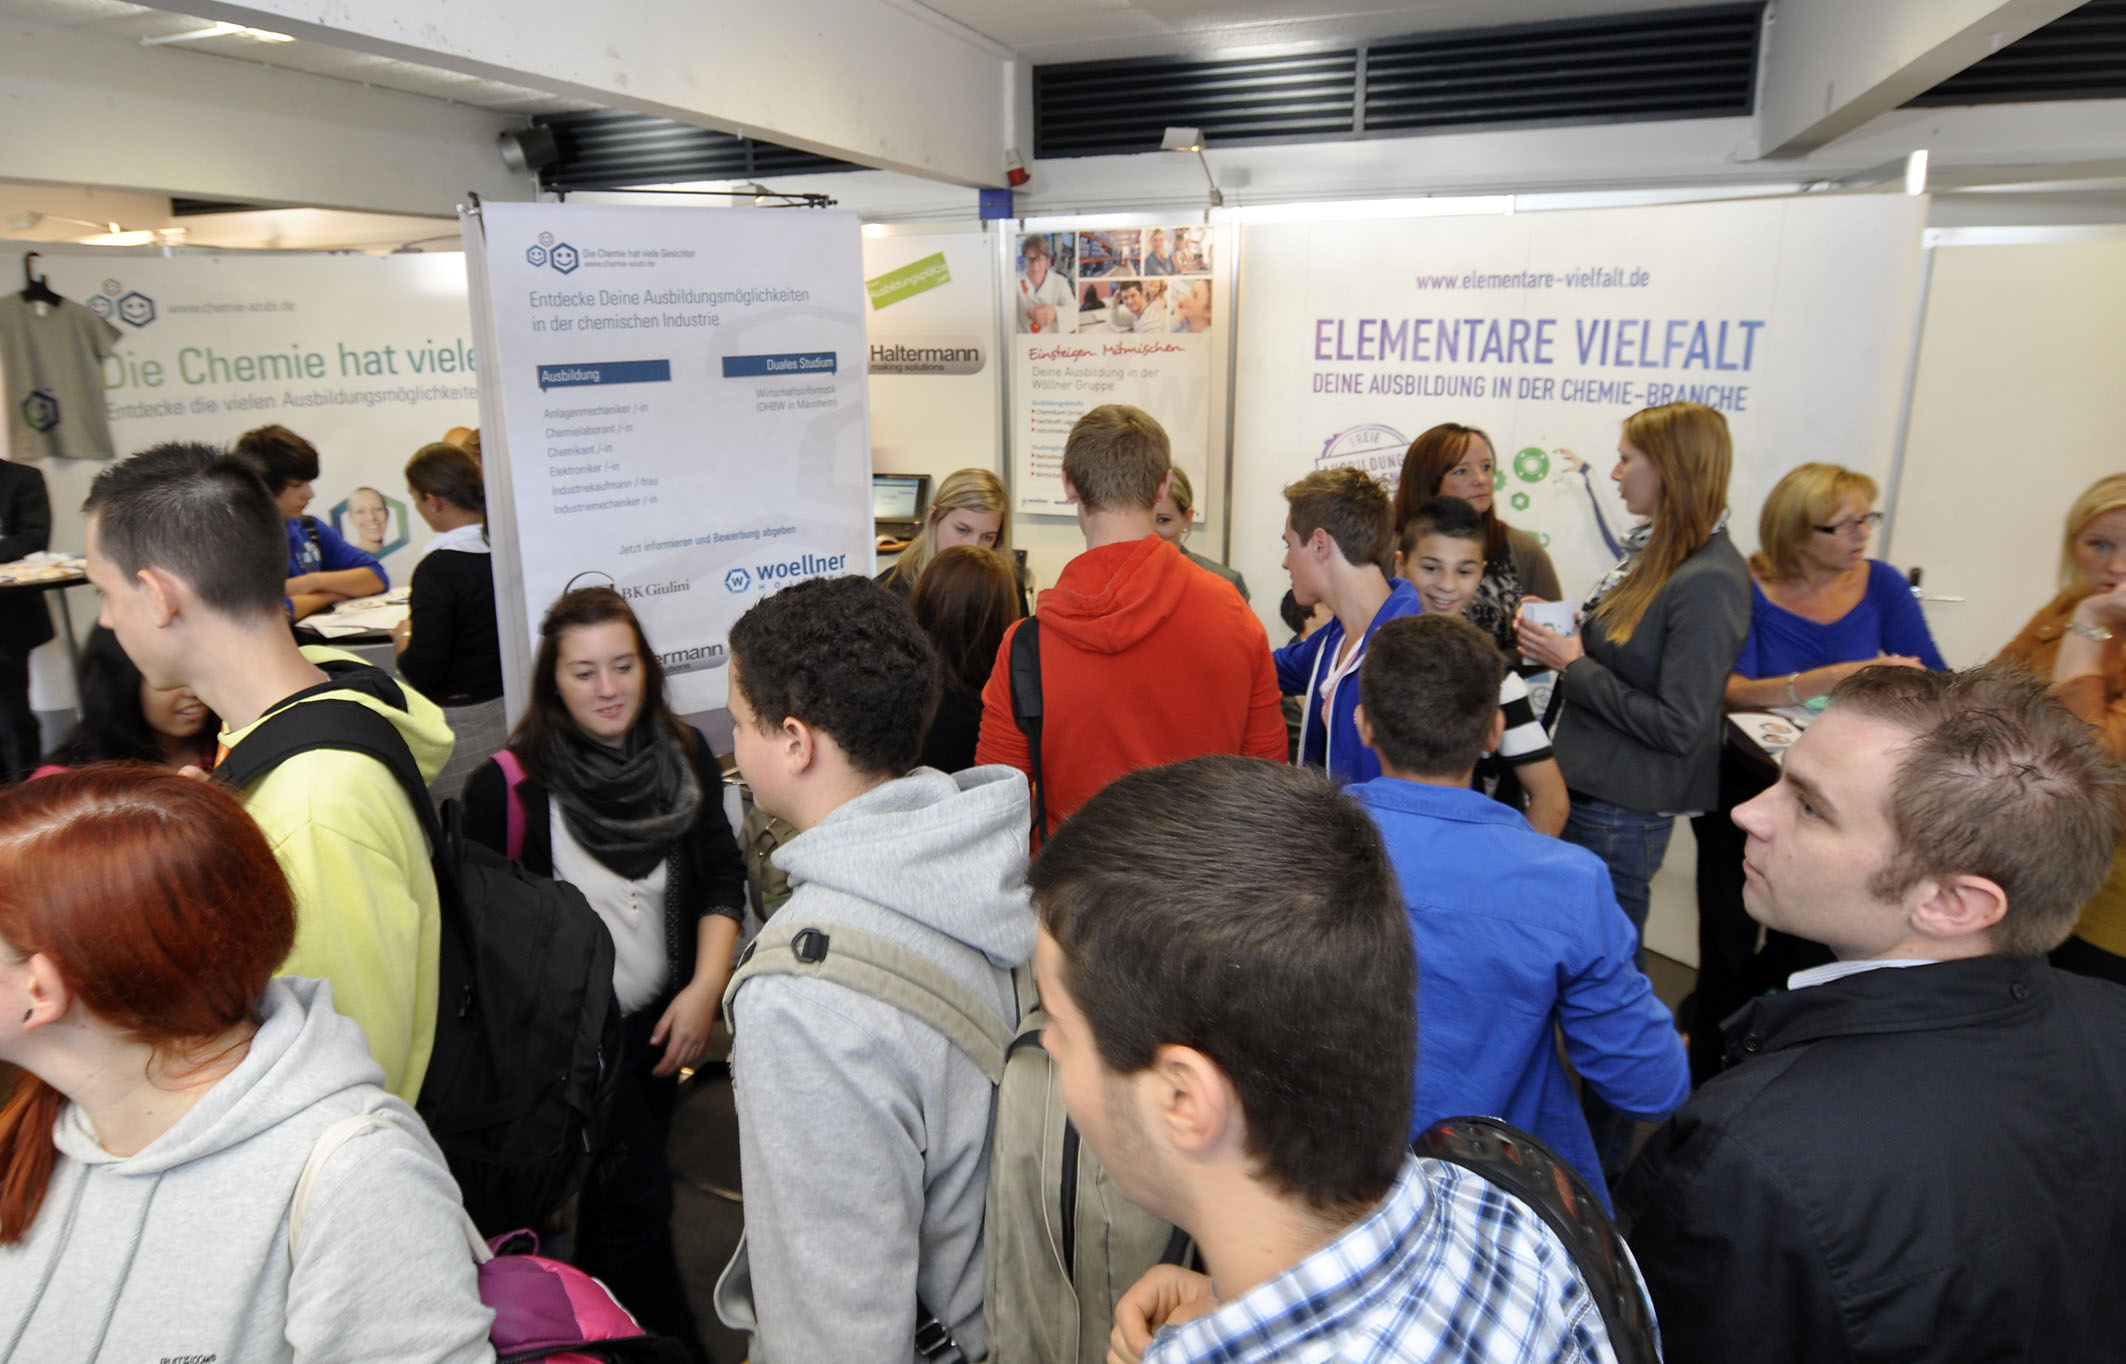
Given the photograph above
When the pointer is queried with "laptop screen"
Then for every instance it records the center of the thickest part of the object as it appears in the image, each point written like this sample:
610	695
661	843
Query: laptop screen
899	497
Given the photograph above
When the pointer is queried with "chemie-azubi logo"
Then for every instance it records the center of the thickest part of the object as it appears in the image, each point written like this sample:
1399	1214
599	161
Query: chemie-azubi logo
1375	448
117	303
547	251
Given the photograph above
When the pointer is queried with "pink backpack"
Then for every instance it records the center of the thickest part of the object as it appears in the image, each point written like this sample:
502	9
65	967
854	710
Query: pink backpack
545	1310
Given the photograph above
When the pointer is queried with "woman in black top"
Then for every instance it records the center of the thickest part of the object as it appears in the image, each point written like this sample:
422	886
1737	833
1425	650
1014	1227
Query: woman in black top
613	793
964	601
448	646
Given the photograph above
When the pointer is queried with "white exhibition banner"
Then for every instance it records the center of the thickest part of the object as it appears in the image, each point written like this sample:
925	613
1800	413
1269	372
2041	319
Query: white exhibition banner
1112	315
1793	316
367	357
675	407
930	319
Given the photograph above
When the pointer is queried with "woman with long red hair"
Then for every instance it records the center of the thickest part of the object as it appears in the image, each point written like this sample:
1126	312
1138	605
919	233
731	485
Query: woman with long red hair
172	1093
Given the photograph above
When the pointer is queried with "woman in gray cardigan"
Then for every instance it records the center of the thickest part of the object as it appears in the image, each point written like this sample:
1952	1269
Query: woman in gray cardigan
1640	732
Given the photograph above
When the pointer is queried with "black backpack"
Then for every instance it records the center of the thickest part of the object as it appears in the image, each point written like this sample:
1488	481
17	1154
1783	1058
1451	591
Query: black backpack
527	1041
1526	1167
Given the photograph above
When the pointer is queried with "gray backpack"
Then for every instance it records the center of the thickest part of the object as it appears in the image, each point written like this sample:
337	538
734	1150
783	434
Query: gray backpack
1061	1245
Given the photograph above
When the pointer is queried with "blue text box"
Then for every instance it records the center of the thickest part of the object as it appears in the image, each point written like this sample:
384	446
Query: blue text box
606	372
778	366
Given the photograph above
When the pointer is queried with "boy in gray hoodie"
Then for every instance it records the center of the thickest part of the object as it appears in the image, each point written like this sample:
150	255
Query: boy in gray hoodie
863	1132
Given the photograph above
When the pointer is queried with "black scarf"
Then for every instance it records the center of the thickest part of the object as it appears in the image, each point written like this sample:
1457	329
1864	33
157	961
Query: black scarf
625	806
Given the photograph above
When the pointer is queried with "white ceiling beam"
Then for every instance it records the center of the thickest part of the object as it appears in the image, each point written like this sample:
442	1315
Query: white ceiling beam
891	85
97	109
1831	66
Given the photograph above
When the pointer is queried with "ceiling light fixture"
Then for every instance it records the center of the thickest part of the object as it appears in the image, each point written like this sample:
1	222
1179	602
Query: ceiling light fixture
220	30
1191	140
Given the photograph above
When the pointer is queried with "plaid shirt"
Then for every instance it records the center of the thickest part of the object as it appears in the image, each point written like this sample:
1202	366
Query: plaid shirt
1448	1268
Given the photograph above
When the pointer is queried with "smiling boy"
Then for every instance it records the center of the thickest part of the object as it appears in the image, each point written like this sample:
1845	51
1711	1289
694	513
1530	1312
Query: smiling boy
1442	555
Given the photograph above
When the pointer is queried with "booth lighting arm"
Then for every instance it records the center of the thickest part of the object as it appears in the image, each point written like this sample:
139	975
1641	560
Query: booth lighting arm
1191	140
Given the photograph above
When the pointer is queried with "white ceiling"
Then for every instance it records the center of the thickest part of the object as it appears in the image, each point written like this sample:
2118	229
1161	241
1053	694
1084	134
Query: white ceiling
1039	30
117	18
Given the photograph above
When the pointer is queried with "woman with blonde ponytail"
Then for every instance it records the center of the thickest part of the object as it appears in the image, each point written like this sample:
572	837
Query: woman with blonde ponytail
972	507
1642	681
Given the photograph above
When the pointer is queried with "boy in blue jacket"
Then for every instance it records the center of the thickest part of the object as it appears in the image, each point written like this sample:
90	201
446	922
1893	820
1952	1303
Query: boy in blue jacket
1338	540
1517	934
323	569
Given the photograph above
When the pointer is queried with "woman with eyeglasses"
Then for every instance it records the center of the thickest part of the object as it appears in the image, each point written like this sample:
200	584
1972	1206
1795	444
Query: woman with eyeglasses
1820	610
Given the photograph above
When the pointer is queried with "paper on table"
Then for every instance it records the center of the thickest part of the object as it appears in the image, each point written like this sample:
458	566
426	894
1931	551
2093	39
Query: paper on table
1774	731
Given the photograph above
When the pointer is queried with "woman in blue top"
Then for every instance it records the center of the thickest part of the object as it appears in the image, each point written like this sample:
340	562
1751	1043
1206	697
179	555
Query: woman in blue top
1820	610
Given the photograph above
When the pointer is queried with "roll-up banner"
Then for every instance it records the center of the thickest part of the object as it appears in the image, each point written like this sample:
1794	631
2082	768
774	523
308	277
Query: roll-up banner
674	405
1114	314
1794	317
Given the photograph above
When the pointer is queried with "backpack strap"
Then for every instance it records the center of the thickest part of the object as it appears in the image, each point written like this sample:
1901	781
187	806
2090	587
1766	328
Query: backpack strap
317	546
331	722
331	1140
1027	710
513	777
884	971
1525	1168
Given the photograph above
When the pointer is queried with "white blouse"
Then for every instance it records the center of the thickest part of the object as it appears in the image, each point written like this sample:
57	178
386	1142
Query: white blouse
633	912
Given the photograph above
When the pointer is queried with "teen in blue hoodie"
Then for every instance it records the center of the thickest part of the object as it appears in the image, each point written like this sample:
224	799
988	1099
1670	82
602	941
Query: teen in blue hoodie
1337	540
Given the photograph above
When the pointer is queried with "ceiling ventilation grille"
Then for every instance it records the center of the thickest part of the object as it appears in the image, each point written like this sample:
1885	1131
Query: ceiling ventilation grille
2080	55
608	149
1687	63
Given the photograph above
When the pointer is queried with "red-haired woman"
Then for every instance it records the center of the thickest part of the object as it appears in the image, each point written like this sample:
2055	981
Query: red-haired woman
172	1094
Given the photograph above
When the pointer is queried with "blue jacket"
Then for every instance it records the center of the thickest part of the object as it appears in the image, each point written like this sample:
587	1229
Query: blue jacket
331	553
1517	933
1301	666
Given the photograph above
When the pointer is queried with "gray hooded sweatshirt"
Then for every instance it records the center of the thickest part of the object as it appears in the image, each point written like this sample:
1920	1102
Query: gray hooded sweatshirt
863	1134
180	1252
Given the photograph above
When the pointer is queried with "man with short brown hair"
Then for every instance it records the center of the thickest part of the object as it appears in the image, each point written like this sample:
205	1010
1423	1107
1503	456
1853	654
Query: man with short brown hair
1145	658
1915	1151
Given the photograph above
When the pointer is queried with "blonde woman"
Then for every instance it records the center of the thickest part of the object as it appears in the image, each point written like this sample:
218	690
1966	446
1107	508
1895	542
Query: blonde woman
2074	640
1820	608
971	508
1642	680
1171	517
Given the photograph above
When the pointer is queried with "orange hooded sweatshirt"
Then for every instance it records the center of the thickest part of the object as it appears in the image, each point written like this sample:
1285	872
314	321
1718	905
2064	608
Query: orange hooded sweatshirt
1145	659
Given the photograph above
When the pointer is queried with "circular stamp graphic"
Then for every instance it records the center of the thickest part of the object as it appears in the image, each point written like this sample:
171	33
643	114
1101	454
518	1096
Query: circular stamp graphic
1498	480
1375	448
1520	501
1532	465
1543	538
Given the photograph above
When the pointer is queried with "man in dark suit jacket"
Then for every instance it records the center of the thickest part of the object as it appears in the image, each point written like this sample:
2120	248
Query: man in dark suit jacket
1914	1153
25	528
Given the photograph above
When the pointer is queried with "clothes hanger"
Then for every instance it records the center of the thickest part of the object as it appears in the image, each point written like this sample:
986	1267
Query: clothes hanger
34	287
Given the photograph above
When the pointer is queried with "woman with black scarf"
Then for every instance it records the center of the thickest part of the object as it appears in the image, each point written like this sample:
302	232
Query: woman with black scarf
604	787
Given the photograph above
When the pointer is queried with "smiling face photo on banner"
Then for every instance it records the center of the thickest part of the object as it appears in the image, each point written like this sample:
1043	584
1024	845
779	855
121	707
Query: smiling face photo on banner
371	522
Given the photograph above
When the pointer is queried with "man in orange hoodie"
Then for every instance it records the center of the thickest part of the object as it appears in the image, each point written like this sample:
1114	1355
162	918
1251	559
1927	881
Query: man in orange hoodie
1145	658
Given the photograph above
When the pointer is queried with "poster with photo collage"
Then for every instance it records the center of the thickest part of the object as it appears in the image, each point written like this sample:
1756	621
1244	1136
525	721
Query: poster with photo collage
1109	315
